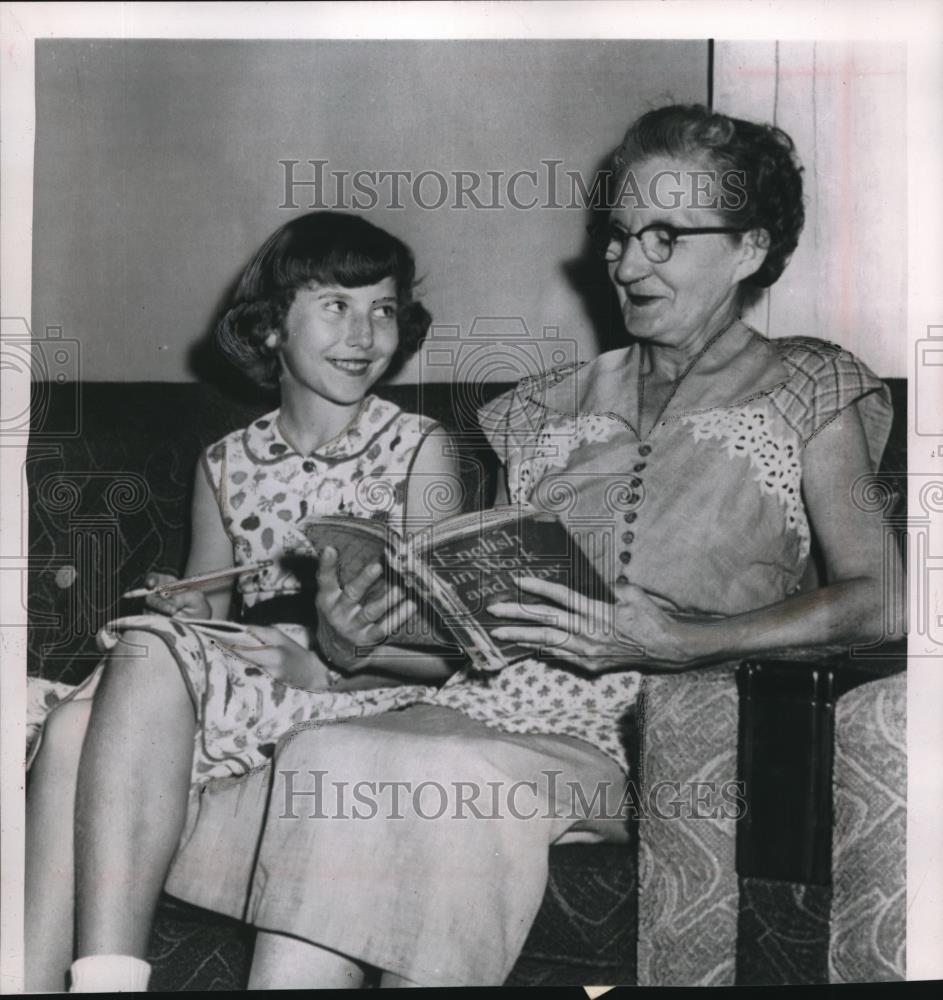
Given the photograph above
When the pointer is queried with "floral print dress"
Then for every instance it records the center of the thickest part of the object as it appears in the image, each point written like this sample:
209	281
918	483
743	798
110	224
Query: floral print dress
265	490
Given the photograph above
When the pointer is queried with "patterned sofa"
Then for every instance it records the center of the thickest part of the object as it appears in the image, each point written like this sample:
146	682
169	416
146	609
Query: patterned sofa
108	474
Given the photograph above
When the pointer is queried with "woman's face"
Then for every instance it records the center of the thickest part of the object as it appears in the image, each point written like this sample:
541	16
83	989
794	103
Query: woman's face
687	298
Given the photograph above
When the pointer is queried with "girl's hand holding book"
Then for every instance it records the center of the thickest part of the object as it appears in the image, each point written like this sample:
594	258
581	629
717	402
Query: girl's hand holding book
181	604
348	630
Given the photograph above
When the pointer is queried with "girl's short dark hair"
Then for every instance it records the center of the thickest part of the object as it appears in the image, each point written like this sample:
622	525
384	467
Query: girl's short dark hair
329	248
767	172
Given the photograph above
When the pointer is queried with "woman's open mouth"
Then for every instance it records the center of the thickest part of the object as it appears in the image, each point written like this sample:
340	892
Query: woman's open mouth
350	366
640	301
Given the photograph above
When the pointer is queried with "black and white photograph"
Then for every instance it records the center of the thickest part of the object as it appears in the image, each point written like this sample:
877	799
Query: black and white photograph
472	495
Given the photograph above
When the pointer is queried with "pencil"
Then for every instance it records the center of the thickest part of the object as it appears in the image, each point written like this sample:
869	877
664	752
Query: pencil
194	582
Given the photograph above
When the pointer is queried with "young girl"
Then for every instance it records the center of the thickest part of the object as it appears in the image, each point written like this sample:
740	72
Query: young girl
322	311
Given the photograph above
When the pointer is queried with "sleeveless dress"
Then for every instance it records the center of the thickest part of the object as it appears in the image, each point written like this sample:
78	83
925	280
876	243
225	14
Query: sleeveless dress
704	512
265	489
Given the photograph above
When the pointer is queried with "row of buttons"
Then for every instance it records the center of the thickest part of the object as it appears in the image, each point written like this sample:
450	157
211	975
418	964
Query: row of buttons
625	556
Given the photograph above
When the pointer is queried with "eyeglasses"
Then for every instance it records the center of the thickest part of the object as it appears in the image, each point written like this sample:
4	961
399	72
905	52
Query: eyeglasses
657	240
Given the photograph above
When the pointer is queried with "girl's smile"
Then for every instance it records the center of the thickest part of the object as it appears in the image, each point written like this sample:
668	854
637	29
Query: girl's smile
351	366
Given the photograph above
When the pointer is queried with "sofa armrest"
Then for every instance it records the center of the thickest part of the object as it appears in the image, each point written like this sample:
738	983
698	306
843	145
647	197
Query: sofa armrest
688	886
688	891
869	878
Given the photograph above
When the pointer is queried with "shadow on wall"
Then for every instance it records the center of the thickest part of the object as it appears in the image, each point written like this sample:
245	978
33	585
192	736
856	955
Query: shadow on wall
588	277
209	365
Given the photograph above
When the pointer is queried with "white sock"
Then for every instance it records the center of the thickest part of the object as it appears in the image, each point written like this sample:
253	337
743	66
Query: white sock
110	974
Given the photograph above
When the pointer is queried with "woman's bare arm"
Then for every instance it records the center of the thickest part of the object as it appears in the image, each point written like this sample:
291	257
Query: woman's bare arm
857	602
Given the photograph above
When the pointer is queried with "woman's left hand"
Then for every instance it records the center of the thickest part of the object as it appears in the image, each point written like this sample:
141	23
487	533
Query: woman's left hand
633	633
280	656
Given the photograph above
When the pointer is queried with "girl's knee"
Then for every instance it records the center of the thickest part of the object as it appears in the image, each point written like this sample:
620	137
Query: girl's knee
144	659
148	683
139	645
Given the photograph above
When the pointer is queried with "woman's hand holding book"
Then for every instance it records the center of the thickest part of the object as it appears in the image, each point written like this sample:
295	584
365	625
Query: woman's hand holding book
633	632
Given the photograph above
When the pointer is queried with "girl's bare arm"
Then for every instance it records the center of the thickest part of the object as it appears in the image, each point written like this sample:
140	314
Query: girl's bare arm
210	548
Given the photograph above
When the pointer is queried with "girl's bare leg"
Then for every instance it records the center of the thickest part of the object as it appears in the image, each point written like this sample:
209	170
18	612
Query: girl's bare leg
133	786
287	963
50	869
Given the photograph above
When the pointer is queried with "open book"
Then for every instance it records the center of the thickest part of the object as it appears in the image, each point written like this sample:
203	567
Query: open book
458	566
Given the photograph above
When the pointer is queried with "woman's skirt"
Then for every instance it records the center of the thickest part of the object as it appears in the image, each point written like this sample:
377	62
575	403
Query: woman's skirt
414	841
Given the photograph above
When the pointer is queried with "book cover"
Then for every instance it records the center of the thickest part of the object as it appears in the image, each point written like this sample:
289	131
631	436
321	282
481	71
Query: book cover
458	566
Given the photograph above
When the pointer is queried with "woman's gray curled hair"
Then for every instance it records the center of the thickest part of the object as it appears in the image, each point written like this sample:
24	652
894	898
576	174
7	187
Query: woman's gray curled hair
762	157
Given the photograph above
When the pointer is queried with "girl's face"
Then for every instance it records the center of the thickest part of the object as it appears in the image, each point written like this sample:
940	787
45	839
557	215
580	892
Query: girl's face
338	341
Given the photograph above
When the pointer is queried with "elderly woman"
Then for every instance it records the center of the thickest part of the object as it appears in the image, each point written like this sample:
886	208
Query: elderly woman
708	457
